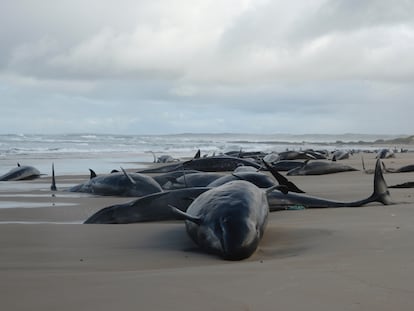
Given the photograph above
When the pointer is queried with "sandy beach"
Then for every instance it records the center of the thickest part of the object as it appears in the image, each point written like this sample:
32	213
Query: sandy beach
322	259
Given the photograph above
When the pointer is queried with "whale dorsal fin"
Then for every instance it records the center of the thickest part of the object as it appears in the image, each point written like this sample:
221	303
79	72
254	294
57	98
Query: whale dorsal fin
18	164
93	174
186	216
53	186
198	154
128	176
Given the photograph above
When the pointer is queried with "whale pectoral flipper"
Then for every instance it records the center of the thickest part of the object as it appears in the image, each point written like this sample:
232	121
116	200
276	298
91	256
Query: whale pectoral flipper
128	176
282	180
186	216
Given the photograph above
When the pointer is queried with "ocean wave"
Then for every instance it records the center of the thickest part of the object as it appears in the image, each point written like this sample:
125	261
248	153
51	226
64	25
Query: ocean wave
12	144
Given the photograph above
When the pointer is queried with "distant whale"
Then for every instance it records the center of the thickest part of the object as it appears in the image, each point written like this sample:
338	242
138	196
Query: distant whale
261	180
201	179
119	184
402	169
340	155
21	173
208	164
385	154
163	179
408	184
285	165
301	155
320	168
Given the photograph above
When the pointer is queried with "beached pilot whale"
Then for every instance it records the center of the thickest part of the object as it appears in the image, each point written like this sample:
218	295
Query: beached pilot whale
165	178
261	180
403	169
209	164
320	168
200	179
228	220
152	207
280	201
408	184
24	172
119	184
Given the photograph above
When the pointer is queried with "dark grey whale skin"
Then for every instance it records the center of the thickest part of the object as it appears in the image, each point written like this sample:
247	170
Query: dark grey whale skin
228	220
208	164
152	207
280	201
119	184
21	173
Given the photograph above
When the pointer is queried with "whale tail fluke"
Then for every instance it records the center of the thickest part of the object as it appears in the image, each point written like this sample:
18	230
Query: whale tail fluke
380	193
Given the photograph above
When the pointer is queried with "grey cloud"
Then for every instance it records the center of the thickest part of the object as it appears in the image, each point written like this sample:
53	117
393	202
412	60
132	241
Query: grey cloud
352	15
206	66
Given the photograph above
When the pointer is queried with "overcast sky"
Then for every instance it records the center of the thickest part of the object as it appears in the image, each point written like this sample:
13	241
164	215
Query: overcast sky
166	66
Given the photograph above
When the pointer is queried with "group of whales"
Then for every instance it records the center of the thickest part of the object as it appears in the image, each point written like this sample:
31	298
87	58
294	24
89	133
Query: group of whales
225	214
229	219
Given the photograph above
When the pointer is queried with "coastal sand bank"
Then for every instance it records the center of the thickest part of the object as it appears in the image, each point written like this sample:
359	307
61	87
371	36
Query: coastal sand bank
322	259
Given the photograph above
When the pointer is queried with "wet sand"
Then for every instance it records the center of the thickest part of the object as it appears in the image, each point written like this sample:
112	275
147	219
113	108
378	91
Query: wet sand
323	259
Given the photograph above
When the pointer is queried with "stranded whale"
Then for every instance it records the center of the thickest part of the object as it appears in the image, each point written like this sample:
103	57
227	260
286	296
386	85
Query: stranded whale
24	172
279	201
228	220
119	183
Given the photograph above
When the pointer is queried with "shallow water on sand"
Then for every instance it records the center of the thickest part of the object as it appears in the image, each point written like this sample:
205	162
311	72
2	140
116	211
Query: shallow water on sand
19	204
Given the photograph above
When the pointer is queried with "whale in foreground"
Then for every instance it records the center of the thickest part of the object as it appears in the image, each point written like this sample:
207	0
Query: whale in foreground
228	220
24	172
